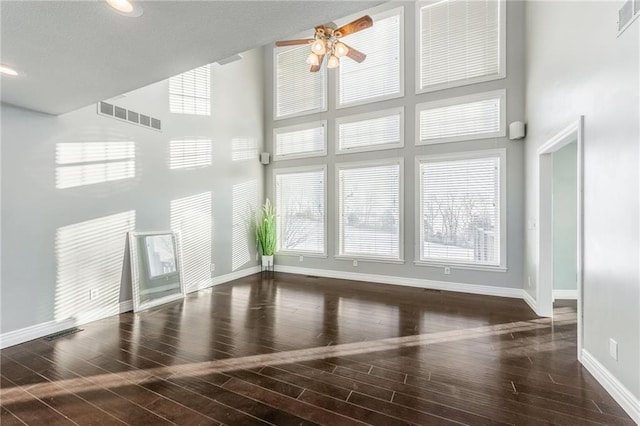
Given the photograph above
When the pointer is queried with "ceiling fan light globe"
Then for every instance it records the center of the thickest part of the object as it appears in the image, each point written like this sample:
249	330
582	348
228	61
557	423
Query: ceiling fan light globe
341	50
334	62
312	59
318	47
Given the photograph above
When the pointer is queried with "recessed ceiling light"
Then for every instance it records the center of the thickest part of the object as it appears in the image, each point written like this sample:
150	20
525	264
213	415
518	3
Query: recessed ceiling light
5	70
126	7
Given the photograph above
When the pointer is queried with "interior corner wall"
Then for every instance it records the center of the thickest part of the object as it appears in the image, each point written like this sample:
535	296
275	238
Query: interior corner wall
576	65
432	275
565	196
45	228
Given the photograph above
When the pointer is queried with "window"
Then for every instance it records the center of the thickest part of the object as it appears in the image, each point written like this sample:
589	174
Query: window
305	140
372	131
461	208
370	209
190	92
297	90
460	42
471	117
189	153
300	210
380	75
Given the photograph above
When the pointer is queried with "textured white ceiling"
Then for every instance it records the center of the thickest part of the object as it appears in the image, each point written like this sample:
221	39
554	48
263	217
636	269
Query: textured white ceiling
74	53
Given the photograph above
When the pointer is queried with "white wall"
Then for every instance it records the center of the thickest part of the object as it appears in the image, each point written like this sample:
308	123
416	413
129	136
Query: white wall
59	243
565	196
577	66
514	83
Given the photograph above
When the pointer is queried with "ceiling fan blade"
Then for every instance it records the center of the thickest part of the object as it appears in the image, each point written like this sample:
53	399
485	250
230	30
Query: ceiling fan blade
316	68
355	26
356	55
293	42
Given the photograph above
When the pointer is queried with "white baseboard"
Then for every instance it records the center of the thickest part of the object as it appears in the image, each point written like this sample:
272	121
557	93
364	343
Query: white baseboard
623	396
565	294
235	275
529	300
126	306
35	331
409	282
22	335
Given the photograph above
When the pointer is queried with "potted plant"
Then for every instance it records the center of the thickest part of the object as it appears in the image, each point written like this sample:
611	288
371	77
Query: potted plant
266	233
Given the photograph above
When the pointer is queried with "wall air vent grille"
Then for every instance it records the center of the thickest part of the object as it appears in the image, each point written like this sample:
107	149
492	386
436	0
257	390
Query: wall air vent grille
627	14
132	117
106	109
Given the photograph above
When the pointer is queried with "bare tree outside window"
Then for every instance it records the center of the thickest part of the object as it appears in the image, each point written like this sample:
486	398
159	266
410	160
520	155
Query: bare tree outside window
459	210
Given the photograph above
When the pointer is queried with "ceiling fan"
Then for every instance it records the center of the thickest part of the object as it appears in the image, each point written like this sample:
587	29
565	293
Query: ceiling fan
326	42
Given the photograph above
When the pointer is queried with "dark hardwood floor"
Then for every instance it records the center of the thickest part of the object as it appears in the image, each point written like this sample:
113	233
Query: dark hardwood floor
305	350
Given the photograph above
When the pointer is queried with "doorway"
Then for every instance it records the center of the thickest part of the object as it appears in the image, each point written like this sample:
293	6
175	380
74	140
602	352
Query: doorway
560	224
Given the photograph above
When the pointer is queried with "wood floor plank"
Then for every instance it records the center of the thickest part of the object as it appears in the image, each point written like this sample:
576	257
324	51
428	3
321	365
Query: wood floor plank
296	350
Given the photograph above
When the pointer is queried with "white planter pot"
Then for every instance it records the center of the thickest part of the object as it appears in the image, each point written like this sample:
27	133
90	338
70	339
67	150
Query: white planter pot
267	261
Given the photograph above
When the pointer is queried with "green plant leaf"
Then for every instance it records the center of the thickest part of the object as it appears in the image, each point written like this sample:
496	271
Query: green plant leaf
266	229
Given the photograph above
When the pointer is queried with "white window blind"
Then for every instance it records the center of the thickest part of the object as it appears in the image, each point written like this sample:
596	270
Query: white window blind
300	209
367	132
460	43
460	211
306	140
297	90
189	153
190	92
379	76
369	203
473	117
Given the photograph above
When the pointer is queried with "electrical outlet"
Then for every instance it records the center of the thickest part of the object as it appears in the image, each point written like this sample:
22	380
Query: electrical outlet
93	294
257	255
301	258
355	263
613	349
213	267
447	270
529	281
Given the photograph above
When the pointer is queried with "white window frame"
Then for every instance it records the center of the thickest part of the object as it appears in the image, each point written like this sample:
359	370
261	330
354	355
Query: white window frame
501	153
502	73
364	164
501	94
303	169
295	128
381	12
322	108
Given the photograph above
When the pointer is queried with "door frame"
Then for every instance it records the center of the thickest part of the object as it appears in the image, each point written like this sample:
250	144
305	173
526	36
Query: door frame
544	288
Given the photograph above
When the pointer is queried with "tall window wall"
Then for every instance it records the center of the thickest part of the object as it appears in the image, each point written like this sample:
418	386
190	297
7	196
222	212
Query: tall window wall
401	158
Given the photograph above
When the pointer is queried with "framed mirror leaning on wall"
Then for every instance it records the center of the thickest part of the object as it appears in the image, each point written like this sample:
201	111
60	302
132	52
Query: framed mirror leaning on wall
156	268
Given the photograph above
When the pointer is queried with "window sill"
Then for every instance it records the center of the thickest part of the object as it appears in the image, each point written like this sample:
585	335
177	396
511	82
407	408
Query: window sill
454	265
371	259
301	253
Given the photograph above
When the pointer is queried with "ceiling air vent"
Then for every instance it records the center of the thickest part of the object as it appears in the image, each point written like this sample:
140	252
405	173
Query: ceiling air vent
628	13
132	117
